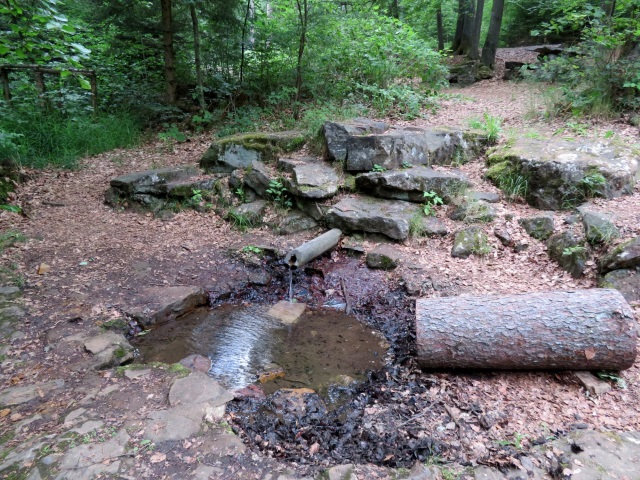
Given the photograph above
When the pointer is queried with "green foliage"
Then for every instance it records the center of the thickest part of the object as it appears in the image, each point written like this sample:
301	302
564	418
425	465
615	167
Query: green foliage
54	139
592	183
172	134
378	168
598	76
10	238
252	249
432	200
508	179
239	220
614	377
416	225
38	32
278	193
196	198
490	125
575	250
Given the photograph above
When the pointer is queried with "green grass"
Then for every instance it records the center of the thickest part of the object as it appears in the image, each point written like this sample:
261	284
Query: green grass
55	140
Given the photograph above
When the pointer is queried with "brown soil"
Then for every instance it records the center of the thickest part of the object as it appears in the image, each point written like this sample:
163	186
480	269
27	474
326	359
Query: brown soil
67	223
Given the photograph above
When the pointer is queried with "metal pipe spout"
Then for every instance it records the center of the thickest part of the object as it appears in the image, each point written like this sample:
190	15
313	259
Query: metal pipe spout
306	252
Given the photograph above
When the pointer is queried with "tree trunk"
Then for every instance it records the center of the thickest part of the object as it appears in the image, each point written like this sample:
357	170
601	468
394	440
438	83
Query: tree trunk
474	51
244	33
440	30
394	9
467	28
493	35
303	16
577	330
196	53
169	56
457	37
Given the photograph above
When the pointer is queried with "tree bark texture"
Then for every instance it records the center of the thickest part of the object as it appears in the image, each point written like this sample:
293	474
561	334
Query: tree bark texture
171	83
474	51
575	330
303	17
467	28
196	54
440	30
488	57
455	44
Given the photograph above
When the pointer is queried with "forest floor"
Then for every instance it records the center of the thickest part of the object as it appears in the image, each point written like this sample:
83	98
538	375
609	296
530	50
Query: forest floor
99	258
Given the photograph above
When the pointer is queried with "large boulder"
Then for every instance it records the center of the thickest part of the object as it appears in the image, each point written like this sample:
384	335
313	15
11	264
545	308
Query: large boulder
410	146
240	151
558	174
313	181
335	135
359	214
411	183
625	255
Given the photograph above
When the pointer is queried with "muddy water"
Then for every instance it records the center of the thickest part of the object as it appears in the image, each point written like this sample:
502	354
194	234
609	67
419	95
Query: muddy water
322	348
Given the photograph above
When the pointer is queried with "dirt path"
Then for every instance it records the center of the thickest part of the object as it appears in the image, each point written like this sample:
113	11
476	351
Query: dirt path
99	259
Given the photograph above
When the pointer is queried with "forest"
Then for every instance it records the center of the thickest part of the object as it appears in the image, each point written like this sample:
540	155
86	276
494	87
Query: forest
178	66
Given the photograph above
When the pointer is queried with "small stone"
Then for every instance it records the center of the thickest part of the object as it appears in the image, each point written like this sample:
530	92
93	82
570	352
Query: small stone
598	226
294	221
135	374
197	362
383	257
488	197
625	255
341	472
593	384
433	227
504	236
43	268
15	417
474	212
520	247
287	312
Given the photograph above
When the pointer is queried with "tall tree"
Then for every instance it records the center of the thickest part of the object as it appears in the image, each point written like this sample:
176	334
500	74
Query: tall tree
303	18
171	82
466	22
488	57
440	27
196	54
474	52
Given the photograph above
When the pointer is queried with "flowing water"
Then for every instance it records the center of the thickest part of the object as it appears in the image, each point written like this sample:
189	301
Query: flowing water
322	348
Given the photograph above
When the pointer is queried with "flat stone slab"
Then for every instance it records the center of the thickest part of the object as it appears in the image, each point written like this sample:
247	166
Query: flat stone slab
366	214
161	304
560	174
593	384
19	395
104	341
151	181
313	181
198	388
287	312
240	151
94	459
411	183
410	146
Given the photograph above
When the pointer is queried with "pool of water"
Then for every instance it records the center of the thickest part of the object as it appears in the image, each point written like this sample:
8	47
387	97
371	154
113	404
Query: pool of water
322	348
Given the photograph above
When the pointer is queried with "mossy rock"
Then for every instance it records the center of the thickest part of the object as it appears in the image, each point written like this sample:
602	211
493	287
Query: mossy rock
470	241
240	151
570	251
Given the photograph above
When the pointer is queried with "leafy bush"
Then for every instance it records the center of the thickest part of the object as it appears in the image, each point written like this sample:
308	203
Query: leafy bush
598	75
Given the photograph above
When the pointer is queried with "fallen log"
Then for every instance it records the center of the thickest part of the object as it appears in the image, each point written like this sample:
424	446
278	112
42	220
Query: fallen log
576	330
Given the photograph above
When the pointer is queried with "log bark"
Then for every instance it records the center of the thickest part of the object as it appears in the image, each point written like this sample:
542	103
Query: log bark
576	330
